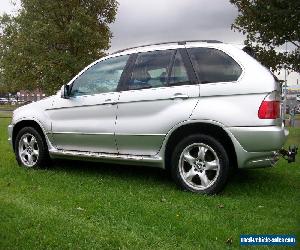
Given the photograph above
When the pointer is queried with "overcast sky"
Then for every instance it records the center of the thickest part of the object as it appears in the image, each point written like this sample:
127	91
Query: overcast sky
142	21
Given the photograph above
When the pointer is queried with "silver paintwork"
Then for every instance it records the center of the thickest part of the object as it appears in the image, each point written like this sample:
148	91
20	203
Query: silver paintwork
82	122
198	171
134	126
28	150
151	111
253	139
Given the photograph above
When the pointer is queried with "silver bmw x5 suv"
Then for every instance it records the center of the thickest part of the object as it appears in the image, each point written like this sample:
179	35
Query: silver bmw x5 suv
197	108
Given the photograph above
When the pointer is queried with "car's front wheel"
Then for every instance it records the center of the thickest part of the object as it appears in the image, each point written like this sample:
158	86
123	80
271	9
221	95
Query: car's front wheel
30	148
200	164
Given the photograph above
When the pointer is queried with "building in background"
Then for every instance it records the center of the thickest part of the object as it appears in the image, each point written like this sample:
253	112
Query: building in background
293	90
30	96
293	98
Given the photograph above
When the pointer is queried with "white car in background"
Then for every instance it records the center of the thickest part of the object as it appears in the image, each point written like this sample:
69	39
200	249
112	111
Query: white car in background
3	100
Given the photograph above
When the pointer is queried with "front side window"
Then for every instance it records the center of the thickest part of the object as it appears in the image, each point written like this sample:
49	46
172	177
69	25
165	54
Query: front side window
102	77
212	65
151	70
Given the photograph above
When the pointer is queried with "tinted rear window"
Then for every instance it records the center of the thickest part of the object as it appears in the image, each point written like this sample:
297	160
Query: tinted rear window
212	65
151	69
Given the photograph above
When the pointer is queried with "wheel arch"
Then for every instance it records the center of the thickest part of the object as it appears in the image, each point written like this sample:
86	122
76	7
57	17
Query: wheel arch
199	127
27	123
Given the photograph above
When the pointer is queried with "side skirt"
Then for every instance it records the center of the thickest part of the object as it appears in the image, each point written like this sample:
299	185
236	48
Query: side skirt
154	161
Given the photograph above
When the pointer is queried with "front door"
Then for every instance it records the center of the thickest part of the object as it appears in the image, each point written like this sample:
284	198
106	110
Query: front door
160	92
86	120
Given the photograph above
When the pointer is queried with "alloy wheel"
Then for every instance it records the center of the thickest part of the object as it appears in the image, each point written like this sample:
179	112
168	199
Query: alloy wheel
199	166
28	150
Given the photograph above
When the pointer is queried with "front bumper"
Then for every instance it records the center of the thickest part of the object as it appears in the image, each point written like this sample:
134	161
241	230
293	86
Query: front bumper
258	146
10	132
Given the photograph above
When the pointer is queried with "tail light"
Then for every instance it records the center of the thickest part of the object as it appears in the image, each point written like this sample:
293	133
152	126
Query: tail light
270	107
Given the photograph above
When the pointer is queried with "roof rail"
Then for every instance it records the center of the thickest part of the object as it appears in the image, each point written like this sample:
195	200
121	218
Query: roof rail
178	42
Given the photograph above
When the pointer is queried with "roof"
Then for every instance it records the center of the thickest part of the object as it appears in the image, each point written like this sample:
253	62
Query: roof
166	43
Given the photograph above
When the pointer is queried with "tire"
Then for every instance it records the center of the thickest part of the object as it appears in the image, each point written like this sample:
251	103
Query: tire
30	149
200	164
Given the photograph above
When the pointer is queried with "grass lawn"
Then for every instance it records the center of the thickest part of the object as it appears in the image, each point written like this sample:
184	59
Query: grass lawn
79	205
8	106
6	110
5	114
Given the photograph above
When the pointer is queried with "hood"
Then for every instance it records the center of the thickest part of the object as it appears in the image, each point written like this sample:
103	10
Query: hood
41	104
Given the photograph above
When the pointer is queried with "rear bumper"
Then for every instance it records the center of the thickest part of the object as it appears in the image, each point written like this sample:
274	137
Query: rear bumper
257	146
264	160
260	139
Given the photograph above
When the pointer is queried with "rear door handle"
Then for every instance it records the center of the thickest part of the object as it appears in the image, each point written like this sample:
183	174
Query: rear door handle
179	96
109	101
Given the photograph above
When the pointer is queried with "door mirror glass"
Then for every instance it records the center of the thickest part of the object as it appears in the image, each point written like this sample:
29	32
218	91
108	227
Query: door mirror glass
64	91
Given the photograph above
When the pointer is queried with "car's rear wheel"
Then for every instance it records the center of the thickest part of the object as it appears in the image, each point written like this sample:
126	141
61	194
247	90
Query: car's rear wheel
200	164
30	148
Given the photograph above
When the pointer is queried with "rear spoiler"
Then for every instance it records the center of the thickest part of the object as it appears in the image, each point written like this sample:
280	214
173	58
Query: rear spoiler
246	48
250	51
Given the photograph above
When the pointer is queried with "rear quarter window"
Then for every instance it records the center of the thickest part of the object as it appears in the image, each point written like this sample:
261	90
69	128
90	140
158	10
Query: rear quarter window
212	65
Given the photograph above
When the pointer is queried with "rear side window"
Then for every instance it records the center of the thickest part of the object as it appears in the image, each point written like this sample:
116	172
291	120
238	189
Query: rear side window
179	73
212	65
151	69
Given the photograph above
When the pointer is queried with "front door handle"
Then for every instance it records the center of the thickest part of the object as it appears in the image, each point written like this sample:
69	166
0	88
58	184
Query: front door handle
109	101
179	96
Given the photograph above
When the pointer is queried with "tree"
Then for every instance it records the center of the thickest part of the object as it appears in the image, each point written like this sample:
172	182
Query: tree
3	87
269	24
50	41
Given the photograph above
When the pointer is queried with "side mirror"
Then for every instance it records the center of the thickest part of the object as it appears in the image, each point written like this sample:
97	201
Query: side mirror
64	91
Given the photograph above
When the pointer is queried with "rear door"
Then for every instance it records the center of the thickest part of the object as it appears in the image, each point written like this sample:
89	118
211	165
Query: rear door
159	92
